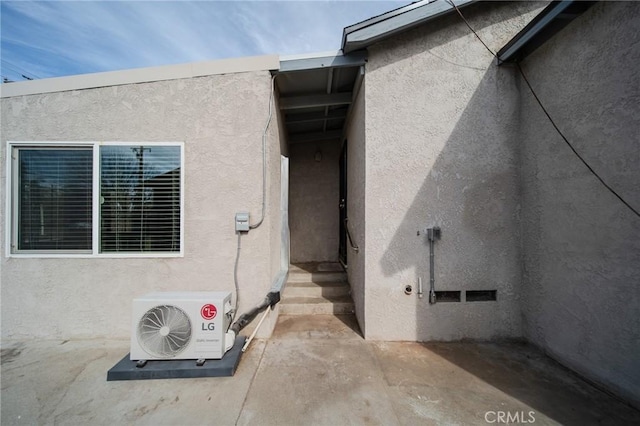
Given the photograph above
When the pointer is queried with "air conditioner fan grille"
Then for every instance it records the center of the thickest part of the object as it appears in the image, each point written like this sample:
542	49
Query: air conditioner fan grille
164	331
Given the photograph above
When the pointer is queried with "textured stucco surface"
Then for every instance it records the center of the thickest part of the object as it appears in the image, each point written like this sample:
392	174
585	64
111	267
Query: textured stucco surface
223	171
444	155
313	201
581	245
276	135
356	185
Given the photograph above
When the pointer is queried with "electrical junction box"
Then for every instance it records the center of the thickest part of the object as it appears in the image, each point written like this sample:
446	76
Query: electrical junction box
433	233
242	222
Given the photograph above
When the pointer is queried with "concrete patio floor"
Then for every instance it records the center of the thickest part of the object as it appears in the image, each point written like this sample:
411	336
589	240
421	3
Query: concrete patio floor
313	371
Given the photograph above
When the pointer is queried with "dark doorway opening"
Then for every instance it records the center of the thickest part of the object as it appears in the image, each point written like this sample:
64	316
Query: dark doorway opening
342	254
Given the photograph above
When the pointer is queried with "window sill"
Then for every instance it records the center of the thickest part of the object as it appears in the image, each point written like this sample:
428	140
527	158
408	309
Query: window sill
149	255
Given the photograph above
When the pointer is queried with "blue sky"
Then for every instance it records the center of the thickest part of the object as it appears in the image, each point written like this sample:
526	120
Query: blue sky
41	39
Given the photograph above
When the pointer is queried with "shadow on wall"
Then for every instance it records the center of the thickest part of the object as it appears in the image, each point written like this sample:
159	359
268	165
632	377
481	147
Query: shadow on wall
470	191
460	142
581	244
473	172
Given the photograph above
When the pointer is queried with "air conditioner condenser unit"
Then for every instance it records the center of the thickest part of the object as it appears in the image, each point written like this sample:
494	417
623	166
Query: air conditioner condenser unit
181	325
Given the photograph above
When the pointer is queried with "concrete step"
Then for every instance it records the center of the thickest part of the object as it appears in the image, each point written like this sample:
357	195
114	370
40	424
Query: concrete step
316	267
316	272
316	277
319	289
335	305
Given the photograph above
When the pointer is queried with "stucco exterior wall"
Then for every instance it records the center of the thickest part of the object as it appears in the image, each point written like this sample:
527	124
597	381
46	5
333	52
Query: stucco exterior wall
313	201
76	298
276	147
442	150
356	189
581	244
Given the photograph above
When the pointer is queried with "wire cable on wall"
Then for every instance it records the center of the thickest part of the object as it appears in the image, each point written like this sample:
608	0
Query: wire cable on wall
264	157
236	302
470	27
564	138
555	126
264	199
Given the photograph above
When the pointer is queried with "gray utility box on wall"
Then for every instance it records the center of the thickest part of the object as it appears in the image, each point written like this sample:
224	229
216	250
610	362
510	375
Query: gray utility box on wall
242	222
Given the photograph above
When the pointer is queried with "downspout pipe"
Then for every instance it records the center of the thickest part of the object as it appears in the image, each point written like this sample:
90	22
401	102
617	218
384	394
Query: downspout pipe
272	298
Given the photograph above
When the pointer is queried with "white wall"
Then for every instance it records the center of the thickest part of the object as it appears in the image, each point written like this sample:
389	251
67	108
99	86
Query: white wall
441	149
276	148
77	298
581	244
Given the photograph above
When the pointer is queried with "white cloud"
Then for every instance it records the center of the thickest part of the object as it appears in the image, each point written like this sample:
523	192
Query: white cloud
60	38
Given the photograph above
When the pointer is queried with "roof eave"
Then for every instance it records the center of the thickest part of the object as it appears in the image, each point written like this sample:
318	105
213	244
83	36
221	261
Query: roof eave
140	75
366	33
323	60
545	25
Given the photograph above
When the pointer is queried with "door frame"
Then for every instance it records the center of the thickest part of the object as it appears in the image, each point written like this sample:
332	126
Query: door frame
342	206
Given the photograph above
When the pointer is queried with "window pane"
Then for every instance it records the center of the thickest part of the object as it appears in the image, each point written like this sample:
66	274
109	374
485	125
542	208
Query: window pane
54	199
140	198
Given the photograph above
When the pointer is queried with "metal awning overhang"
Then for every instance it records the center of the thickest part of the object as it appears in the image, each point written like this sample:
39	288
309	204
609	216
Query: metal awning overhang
321	60
316	93
363	34
541	28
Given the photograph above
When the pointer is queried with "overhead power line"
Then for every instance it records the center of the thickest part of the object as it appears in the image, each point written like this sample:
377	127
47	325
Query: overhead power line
555	126
19	70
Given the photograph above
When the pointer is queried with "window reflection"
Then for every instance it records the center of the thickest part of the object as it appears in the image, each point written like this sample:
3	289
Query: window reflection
140	198
55	193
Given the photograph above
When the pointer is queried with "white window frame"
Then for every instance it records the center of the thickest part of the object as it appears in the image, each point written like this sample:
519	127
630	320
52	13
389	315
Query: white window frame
11	206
